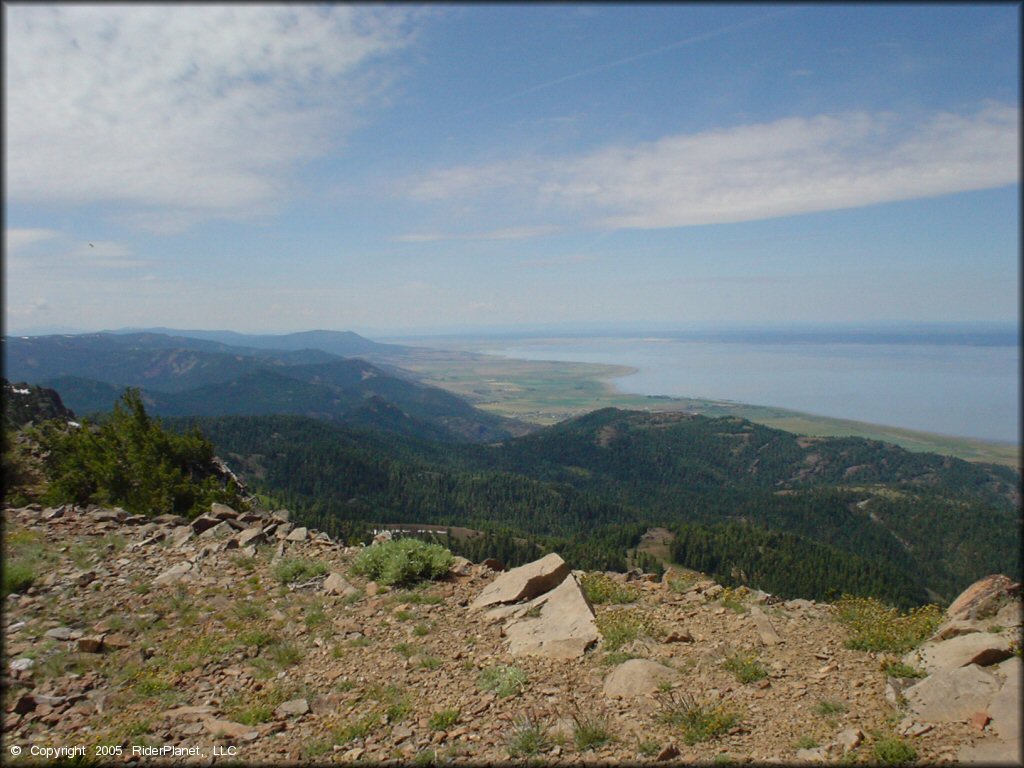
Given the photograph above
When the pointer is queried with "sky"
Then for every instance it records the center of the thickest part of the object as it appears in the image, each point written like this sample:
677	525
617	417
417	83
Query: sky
399	168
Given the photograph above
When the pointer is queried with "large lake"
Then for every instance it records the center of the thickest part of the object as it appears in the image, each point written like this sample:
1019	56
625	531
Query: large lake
963	389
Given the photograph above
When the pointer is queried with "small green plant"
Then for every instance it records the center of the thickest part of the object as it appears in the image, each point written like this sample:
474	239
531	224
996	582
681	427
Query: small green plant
733	599
445	719
746	668
899	669
648	748
315	616
418	598
429	662
421	630
806	742
285	654
623	626
529	737
404	615
136	728
602	588
25	559
893	751
248	610
405	649
295	569
403	562
698	720
829	707
502	680
356	729
615	658
590	731
679	581
873	626
256	637
426	757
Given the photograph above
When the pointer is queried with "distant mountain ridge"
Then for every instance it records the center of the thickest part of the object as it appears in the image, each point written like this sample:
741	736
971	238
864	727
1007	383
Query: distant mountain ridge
342	343
181	375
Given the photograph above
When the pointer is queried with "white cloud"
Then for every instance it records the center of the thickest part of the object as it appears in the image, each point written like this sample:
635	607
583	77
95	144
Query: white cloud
185	110
787	167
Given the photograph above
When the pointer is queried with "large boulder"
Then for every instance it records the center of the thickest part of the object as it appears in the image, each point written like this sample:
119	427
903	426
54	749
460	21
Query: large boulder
983	598
951	695
522	583
637	677
563	628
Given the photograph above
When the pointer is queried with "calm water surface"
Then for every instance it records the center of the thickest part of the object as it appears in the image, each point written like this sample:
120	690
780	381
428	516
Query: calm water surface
969	391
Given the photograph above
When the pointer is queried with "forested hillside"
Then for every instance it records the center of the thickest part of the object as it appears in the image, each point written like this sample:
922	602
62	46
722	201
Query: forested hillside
859	515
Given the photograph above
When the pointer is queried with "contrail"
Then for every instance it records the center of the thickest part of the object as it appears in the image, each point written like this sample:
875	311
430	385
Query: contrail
628	60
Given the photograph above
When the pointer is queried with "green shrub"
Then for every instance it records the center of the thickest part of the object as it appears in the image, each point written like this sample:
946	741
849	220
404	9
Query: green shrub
893	751
746	668
502	680
18	576
130	461
403	561
874	626
601	588
806	742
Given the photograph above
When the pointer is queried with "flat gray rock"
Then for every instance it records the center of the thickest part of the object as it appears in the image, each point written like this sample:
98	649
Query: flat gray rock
952	695
522	583
981	648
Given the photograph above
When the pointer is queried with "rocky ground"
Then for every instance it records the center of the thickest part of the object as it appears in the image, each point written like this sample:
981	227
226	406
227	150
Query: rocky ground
242	637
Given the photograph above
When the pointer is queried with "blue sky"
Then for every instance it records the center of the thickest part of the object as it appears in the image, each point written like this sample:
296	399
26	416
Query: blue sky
398	168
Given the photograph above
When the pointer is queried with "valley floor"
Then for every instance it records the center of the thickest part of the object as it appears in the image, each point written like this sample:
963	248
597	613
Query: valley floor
545	392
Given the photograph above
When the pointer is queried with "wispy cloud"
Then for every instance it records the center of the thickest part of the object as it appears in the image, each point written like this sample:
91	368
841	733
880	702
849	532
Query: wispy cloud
749	172
16	239
187	110
510	233
50	252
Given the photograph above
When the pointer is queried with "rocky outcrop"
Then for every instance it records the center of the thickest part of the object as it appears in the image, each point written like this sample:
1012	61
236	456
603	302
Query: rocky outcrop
972	676
522	583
